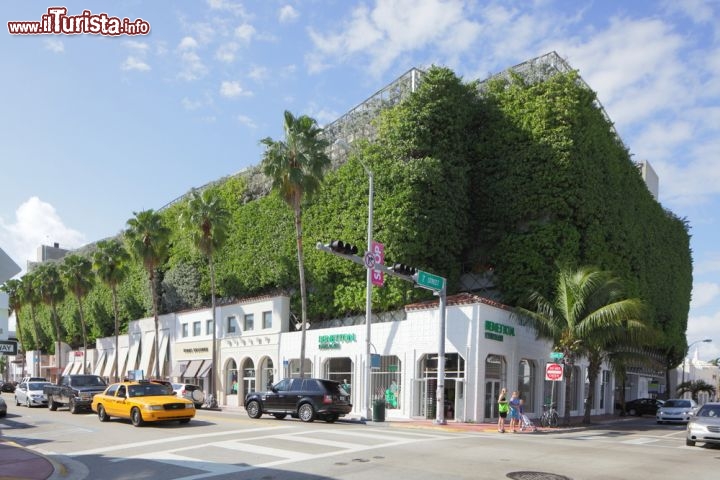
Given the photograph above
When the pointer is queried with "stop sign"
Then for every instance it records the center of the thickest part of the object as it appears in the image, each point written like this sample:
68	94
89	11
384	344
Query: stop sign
554	372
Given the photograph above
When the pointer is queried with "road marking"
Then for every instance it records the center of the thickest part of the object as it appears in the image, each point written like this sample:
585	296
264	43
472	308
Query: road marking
640	441
167	440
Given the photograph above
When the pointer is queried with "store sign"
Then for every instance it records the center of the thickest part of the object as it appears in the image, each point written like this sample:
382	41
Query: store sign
196	350
495	331
333	342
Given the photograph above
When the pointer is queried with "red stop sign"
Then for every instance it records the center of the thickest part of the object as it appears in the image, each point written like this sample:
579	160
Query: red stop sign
553	372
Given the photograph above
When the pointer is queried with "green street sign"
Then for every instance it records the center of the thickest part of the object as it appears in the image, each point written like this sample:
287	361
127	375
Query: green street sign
556	355
430	281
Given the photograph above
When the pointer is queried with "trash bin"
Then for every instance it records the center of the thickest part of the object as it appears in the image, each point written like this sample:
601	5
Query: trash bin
378	410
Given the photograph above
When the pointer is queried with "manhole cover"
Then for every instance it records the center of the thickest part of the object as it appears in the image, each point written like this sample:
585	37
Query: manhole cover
536	476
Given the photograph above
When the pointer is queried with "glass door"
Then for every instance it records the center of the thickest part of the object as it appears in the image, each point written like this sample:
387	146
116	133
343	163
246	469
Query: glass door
492	392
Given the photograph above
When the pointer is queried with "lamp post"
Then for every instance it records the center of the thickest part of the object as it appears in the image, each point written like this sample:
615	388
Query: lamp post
706	340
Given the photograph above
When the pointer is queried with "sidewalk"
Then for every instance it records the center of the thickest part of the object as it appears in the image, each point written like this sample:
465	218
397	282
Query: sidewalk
18	463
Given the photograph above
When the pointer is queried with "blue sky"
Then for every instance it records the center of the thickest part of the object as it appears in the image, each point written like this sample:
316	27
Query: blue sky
95	127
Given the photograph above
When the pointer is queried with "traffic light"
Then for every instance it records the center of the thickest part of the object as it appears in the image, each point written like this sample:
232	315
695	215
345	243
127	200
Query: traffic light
403	269
338	246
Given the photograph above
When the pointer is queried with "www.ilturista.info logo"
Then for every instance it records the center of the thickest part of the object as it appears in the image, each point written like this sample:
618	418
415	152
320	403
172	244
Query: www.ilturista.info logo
57	21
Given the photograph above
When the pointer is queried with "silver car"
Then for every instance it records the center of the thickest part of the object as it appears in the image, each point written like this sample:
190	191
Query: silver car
676	410
31	394
704	426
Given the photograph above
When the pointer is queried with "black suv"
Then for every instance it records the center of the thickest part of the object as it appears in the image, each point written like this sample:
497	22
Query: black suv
303	398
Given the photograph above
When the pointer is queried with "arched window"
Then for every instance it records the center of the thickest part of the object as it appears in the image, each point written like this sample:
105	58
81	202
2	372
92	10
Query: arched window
231	378
526	384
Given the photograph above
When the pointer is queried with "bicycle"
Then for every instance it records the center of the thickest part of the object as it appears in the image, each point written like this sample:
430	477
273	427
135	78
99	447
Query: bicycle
550	416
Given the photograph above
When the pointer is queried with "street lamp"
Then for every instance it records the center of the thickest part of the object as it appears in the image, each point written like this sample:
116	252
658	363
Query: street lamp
706	340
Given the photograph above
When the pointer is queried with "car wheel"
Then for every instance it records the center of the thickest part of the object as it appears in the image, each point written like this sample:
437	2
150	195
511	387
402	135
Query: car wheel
102	414
185	420
632	412
27	403
51	404
253	409
17	402
332	418
73	407
306	412
136	417
279	416
660	422
689	442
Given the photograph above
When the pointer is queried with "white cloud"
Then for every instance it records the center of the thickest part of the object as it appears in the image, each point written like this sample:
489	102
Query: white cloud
192	66
287	14
232	89
247	121
703	294
245	32
188	43
36	223
134	63
54	45
258	73
226	52
227	5
136	45
392	29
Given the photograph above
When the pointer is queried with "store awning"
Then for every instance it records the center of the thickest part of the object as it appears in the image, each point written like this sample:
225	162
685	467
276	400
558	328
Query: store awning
147	358
179	368
205	369
100	365
107	371
132	359
163	352
68	369
192	369
77	368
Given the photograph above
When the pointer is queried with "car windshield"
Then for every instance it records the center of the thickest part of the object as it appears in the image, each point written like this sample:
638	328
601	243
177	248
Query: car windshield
709	411
677	404
37	385
88	381
151	390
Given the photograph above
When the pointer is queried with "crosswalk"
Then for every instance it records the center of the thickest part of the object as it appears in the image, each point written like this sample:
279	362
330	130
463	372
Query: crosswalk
256	448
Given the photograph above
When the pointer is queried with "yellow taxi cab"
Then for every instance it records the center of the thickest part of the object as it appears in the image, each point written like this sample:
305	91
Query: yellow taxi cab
142	401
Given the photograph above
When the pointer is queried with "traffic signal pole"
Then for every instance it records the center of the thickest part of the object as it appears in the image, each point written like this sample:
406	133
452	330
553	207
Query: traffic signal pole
368	303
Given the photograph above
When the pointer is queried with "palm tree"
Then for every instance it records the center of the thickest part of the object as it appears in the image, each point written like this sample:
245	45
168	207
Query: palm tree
31	296
51	290
149	242
14	290
110	262
588	314
78	276
695	387
207	220
297	166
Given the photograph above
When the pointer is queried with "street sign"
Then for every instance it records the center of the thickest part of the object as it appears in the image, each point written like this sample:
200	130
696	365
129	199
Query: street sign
378	252
8	347
553	372
556	355
430	281
369	260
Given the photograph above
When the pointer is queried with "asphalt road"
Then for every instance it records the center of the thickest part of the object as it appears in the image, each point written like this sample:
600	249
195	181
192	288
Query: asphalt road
224	445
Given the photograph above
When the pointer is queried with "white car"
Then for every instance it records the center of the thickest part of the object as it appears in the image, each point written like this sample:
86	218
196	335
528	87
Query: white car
191	392
704	426
676	410
31	394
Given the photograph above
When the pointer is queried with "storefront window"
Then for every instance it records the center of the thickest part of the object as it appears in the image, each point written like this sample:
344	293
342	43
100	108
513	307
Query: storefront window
294	368
231	378
386	381
575	386
248	383
495	380
341	370
526	382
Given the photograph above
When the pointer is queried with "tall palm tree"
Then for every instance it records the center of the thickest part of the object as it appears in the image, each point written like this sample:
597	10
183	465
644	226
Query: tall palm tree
207	220
297	166
77	273
111	264
16	302
587	315
31	296
52	291
149	241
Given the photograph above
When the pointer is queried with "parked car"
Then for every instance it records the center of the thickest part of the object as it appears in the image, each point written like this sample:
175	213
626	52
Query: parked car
191	392
306	399
3	407
142	401
643	406
75	391
7	387
676	410
33	379
31	394
704	426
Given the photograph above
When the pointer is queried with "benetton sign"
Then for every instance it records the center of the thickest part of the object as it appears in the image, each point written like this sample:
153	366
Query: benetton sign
8	347
328	342
495	331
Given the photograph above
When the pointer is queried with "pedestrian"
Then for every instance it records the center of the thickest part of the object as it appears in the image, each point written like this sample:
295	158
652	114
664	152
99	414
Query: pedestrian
514	413
503	408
